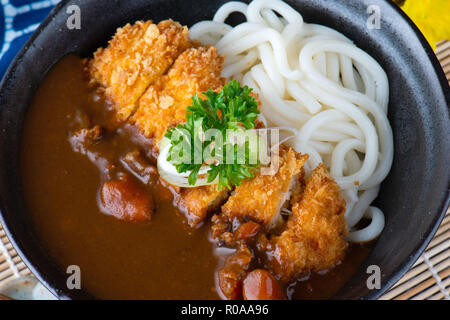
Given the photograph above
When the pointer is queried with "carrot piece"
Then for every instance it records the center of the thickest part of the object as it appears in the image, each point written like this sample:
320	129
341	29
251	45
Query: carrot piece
261	285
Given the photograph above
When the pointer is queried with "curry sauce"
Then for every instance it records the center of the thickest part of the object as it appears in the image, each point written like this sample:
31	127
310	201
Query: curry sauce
162	258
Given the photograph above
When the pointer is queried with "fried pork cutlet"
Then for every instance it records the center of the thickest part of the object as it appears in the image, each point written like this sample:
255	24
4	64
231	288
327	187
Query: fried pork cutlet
314	237
164	104
262	198
196	203
136	57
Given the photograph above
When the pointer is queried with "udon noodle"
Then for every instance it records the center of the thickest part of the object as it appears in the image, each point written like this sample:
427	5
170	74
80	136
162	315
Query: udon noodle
316	81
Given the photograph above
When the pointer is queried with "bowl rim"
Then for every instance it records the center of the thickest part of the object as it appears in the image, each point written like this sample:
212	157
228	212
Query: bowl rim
373	294
445	205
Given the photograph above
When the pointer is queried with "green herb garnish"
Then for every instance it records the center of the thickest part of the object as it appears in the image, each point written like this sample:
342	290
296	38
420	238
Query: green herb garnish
231	110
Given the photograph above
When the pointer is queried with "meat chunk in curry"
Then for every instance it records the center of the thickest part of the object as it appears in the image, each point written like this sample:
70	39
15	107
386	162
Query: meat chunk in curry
125	199
232	274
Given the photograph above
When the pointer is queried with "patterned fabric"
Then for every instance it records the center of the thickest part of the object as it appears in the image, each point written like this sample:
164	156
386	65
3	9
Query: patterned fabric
18	20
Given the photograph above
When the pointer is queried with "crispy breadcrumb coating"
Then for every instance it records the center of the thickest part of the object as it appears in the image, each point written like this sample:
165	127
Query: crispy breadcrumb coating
197	202
314	239
164	104
136	57
262	197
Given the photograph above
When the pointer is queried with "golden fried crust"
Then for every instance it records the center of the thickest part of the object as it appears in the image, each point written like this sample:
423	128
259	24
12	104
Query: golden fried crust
164	104
262	197
136	57
314	238
196	203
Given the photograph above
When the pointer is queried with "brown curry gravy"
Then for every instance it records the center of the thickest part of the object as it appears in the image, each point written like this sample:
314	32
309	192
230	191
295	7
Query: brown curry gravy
159	259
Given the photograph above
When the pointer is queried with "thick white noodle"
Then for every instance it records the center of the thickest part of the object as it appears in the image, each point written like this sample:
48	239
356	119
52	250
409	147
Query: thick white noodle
228	8
314	80
372	231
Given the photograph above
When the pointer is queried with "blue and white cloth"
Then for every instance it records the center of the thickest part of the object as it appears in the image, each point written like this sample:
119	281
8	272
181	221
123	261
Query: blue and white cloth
18	20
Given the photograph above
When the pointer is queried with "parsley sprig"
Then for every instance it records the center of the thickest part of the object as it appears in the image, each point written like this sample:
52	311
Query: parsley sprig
232	109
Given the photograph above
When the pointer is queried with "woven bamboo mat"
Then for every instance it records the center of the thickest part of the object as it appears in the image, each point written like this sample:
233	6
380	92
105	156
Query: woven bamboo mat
429	278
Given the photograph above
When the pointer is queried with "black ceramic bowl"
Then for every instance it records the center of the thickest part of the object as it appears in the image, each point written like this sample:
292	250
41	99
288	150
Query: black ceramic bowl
414	197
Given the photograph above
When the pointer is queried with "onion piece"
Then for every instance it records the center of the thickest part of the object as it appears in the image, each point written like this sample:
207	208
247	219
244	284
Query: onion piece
169	173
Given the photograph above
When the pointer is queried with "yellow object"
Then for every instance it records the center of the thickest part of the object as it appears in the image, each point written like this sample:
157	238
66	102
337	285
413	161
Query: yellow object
432	17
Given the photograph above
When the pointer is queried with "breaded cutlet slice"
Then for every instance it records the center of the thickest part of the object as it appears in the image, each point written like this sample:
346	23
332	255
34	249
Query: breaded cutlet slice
164	104
196	203
262	198
136	57
314	239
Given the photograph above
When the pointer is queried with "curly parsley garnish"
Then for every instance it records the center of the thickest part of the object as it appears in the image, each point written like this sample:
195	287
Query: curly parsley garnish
233	110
